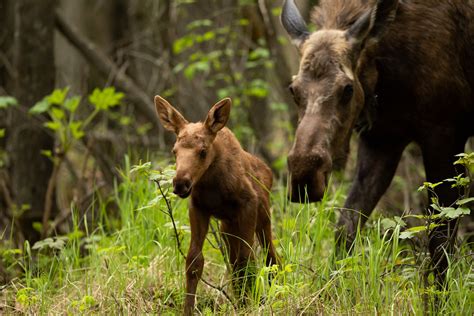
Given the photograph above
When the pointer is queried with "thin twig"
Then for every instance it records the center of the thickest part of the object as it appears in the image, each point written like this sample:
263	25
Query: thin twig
170	214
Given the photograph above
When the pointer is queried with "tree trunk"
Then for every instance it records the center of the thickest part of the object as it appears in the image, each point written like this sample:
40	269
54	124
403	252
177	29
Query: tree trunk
32	76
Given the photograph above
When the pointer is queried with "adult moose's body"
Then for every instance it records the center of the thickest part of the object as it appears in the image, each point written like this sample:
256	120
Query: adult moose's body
403	72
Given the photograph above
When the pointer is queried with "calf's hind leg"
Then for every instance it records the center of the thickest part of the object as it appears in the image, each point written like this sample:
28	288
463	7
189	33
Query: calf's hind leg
264	234
238	235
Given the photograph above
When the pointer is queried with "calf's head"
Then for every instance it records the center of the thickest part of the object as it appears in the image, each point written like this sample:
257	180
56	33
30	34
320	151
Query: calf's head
329	93
194	141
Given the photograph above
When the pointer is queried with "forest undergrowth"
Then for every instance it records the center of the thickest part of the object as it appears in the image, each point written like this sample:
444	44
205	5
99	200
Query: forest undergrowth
129	261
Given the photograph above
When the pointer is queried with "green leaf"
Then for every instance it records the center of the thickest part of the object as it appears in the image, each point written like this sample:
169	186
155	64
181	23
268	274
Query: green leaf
259	53
406	235
59	244
58	96
198	23
55	126
183	43
57	113
142	168
76	130
7	101
428	185
465	201
125	120
106	98
47	153
388	223
40	107
38	226
451	212
72	104
200	66
2	132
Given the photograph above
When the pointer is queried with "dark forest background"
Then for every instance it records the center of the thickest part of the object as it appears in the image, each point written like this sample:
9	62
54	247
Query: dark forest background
191	52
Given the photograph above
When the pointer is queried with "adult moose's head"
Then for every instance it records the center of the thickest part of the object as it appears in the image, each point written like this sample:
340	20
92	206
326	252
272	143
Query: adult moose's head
336	75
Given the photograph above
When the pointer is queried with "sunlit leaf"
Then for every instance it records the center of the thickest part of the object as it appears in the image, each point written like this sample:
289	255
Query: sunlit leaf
72	104
6	101
57	113
76	130
58	96
451	212
53	125
465	201
40	107
106	98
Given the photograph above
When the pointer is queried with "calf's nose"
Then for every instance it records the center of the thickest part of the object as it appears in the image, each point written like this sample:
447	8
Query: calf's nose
181	186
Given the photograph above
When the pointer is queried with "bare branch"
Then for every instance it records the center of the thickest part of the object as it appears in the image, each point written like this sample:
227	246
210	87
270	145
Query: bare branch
106	66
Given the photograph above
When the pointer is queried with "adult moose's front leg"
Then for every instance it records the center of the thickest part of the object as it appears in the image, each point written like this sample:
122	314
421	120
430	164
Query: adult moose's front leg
377	162
195	259
439	160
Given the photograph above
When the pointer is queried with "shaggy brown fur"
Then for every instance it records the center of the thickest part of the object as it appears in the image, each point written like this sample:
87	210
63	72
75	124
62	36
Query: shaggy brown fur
402	71
225	182
339	14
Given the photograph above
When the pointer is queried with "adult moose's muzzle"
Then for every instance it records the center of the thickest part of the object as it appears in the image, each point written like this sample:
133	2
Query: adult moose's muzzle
308	178
309	173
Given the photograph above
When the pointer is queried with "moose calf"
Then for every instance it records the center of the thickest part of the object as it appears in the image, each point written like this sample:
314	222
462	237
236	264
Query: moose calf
224	181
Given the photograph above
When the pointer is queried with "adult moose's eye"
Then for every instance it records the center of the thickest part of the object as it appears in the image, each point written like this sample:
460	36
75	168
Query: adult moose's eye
294	93
347	93
202	153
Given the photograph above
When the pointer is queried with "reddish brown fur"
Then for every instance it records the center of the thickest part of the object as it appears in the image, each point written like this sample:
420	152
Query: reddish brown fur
225	182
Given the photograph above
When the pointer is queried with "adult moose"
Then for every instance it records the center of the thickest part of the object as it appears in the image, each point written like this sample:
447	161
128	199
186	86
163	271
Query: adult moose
401	71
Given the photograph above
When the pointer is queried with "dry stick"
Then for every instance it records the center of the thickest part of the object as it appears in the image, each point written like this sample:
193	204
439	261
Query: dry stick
48	204
178	241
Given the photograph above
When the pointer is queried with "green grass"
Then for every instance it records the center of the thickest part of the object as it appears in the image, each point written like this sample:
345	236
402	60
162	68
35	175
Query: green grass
125	260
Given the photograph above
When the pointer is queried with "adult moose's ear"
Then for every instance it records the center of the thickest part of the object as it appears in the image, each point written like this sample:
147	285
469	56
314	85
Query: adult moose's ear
171	119
373	23
294	23
218	115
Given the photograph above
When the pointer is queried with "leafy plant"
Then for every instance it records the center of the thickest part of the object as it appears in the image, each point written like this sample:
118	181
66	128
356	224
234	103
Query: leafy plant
68	128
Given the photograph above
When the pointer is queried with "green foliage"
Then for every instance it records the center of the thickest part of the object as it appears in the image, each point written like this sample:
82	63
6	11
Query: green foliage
130	261
106	98
458	209
6	101
63	121
222	57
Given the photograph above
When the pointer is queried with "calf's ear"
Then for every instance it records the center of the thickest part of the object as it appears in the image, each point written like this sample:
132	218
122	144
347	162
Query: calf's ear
218	115
171	119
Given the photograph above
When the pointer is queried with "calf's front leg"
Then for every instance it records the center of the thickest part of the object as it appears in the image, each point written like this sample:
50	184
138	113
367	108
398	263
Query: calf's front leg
195	259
